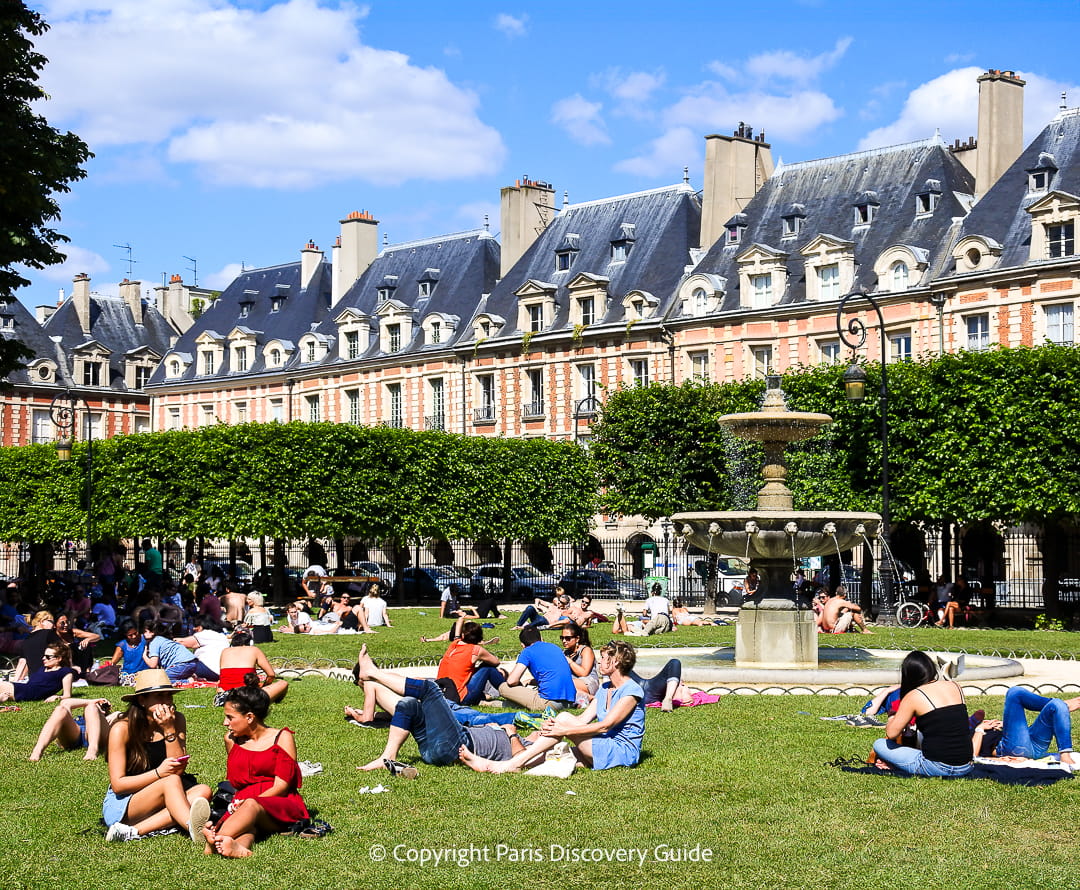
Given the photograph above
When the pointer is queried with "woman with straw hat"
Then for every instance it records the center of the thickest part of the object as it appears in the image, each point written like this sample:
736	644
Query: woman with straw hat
148	787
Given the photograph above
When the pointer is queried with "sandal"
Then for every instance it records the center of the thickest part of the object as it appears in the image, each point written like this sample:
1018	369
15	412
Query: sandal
403	770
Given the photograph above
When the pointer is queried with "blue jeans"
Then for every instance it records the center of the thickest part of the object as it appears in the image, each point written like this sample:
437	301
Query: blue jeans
656	687
1053	722
472	717
426	713
474	689
911	761
182	670
531	617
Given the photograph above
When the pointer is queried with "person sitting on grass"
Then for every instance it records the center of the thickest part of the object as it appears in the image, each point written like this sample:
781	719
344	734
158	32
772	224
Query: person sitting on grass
422	711
581	613
551	673
89	730
262	768
839	613
606	734
148	787
240	659
1015	738
554	615
469	667
577	647
129	653
165	653
46	683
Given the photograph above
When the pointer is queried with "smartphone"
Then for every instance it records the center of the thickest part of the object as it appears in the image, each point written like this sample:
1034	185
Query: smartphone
183	759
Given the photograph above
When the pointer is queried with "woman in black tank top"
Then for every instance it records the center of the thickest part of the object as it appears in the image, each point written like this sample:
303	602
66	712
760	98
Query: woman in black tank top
941	717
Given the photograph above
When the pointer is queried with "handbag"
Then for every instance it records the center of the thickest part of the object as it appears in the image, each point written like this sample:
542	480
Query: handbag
106	675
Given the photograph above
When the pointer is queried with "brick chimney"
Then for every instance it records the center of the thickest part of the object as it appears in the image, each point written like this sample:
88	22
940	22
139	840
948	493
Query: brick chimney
1001	126
527	207
736	167
131	293
80	299
310	260
356	248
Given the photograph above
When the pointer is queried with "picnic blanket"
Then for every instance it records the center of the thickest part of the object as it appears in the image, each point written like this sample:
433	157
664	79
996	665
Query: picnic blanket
1027	773
696	698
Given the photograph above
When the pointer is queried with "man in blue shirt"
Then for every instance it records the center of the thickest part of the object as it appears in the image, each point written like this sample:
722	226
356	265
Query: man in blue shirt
548	665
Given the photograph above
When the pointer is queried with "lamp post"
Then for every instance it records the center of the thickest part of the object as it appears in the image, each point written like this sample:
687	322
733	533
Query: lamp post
584	409
853	335
938	302
62	411
665	525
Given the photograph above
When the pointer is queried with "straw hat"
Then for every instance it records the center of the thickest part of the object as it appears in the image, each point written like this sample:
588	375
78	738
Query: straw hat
150	680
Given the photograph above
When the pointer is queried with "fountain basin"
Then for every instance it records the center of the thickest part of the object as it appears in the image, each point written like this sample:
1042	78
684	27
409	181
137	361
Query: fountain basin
836	666
776	425
815	533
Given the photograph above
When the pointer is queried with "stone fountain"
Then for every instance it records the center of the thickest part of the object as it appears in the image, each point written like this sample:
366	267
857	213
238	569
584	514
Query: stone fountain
776	627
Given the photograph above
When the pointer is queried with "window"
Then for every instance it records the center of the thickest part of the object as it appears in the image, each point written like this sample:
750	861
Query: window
385	293
1059	240
734	234
926	203
639	370
638	307
208	362
277	411
620	250
142	424
142	376
206	417
172	422
900	347
93	426
1039	180
424	289
353	398
762	356
174	369
486	412
393	332
1059	324
91	373
586	388
535	406
352	344
437	419
275	304
312	349
792	226
436	331
564	260
396	419
978	331
313	412
699	366
830	351
587	305
275	357
42	426
241	358
762	290
701	301
245	308
485	328
899	275
241	412
829	282
864	214
536	317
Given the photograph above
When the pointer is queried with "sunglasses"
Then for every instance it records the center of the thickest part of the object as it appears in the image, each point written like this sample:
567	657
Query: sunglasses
52	655
567	638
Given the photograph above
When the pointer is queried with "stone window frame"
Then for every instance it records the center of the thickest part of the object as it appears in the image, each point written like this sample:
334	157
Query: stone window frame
314	347
714	288
828	250
391	313
209	344
1056	208
976	253
348	323
760	259
535	294
447	327
1044	326
916	259
486	325
639	305
285	350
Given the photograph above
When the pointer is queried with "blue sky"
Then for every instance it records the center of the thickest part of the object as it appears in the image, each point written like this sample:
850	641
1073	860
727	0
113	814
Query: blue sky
232	132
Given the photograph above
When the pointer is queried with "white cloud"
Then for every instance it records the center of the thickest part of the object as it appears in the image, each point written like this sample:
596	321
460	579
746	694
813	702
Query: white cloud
949	103
635	86
667	155
788	116
79	260
471	215
287	96
787	65
581	119
511	25
223	277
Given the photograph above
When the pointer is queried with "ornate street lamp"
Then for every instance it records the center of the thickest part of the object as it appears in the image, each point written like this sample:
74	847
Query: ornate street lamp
62	411
853	335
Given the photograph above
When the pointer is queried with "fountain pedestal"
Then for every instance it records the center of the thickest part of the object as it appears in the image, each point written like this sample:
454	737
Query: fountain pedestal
775	629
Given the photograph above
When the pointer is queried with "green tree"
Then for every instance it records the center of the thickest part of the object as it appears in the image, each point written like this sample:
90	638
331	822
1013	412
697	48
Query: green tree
36	162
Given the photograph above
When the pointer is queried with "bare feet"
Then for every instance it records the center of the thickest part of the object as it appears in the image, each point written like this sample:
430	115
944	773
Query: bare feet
211	837
482	764
492	641
377	763
230	848
35	757
354	714
364	664
667	705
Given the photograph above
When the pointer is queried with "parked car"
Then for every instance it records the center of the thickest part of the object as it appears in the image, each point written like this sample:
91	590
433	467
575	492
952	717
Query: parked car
381	570
851	578
263	581
240	570
430	582
526	582
601	585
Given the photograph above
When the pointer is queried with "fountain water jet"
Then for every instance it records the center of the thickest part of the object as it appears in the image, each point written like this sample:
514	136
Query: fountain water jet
776	628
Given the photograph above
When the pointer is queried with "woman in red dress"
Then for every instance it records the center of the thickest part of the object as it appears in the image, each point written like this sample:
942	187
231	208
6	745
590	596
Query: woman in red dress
262	767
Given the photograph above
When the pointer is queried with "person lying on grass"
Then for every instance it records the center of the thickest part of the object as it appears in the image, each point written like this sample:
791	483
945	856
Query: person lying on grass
422	711
90	730
1013	737
50	681
608	733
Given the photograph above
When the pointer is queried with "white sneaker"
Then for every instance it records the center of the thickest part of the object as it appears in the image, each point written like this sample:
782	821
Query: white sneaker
118	831
197	818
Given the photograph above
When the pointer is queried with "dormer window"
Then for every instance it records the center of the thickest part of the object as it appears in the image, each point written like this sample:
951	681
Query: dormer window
587	310
1042	174
735	228
312	350
436	332
352	344
424	289
426	283
701	301
866	207
174	368
639	307
899	273
276	304
926	201
829	281
385	293
622	242
387	287
564	260
208	362
793	220
91	373
393	333
1059	240
536	317
485	328
241	354
566	251
275	357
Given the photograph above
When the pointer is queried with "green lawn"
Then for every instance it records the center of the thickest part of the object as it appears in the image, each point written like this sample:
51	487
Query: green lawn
743	783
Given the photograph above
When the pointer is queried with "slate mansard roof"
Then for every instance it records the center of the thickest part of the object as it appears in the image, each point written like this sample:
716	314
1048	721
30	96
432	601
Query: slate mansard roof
1001	214
662	225
824	194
